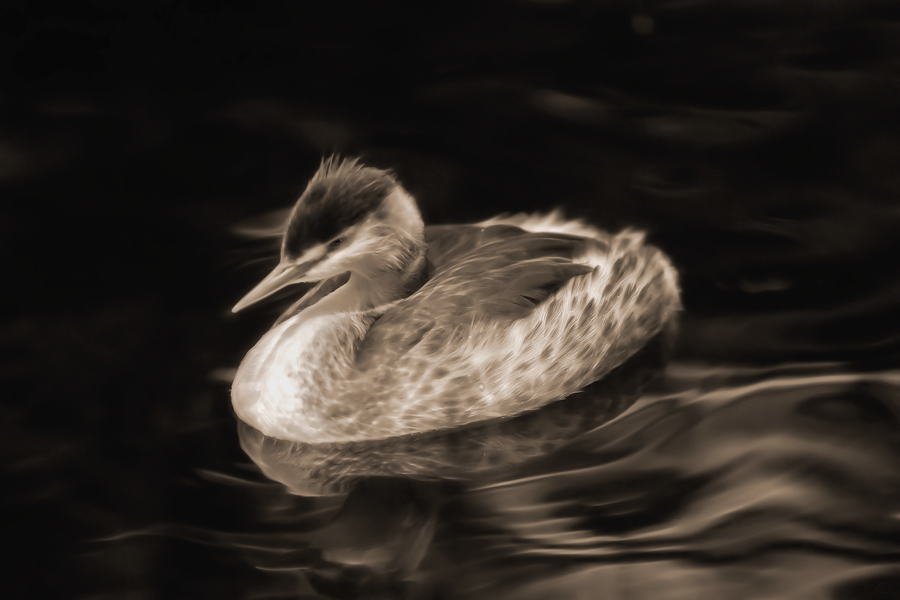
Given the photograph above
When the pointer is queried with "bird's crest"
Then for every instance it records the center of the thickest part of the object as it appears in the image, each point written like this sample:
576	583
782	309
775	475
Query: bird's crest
341	193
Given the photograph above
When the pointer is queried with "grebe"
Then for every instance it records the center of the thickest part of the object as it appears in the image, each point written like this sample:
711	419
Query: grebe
412	328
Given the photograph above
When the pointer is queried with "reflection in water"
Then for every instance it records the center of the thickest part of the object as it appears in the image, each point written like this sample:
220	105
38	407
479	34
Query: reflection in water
717	483
476	451
757	142
777	484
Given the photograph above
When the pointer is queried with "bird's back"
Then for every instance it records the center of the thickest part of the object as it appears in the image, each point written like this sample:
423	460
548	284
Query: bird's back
507	321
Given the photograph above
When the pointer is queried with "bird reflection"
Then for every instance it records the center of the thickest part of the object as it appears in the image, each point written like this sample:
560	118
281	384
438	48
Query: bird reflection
412	329
720	481
397	487
477	452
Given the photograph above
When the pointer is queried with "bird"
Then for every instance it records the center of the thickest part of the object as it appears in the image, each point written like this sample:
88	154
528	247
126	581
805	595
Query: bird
410	329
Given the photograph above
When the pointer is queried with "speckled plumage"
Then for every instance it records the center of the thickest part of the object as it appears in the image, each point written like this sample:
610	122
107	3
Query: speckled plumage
514	313
479	451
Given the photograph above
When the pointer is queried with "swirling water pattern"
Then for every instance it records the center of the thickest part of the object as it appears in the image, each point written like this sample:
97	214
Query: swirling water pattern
719	482
736	483
756	142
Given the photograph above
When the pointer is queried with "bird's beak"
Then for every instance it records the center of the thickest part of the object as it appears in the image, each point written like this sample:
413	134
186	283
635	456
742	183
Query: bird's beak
282	276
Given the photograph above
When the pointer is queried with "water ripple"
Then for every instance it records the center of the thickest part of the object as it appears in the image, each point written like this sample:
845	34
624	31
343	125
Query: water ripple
732	483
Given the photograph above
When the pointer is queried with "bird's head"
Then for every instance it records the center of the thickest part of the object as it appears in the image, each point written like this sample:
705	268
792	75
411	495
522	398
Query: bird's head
350	218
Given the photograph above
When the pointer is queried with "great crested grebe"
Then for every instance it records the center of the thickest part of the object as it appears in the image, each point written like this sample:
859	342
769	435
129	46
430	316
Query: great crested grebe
412	328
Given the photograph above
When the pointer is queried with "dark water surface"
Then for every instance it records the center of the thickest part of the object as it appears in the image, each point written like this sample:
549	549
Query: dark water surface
758	144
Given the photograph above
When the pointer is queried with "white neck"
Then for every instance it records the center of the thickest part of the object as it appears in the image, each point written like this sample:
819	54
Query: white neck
359	294
390	270
402	211
290	369
282	382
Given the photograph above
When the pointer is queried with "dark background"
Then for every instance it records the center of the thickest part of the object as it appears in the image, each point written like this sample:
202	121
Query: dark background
757	143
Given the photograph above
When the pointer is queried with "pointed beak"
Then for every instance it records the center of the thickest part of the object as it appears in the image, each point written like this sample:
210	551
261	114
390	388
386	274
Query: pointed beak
282	276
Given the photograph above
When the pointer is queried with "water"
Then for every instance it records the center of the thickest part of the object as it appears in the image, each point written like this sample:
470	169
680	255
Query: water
758	145
719	482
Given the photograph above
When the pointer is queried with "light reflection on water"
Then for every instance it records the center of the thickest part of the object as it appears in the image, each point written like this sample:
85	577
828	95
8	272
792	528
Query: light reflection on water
756	142
725	482
781	486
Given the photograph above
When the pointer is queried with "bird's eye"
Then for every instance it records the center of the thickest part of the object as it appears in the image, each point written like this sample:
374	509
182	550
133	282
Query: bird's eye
336	243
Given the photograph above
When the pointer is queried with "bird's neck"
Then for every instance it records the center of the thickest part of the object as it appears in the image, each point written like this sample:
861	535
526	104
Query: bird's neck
372	290
397	268
284	385
383	286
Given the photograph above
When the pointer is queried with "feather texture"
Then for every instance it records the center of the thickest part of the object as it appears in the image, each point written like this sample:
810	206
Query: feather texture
507	321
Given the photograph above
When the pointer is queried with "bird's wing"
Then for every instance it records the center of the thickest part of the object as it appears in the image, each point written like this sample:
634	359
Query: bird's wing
498	273
447	244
